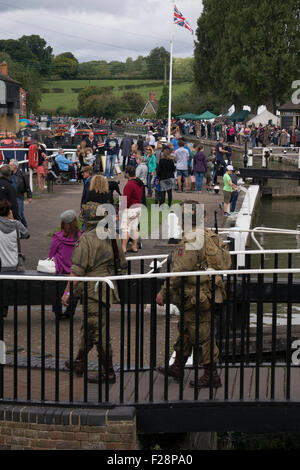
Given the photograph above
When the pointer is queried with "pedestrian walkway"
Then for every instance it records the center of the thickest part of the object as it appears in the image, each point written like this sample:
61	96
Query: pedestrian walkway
43	216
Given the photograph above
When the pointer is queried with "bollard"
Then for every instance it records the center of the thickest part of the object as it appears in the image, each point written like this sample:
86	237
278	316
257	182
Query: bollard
265	156
174	229
250	158
31	179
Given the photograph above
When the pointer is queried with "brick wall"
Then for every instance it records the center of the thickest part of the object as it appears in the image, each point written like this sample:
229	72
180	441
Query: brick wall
67	429
9	123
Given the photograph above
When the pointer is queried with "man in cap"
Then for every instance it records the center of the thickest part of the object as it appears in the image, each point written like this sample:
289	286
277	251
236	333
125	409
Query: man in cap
65	165
94	256
194	254
87	173
228	188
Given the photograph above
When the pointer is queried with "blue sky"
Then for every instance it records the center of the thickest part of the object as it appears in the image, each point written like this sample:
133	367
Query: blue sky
101	29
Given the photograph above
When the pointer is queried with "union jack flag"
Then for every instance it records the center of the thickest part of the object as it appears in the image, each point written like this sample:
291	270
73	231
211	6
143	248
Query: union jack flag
180	20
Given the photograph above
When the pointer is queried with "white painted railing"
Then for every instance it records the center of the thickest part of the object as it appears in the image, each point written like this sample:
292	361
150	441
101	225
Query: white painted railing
109	279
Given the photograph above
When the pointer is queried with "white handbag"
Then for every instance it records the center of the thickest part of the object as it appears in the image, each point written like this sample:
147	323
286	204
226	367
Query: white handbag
46	266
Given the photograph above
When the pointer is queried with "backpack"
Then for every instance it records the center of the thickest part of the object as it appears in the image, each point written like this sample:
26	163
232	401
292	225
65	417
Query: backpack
217	256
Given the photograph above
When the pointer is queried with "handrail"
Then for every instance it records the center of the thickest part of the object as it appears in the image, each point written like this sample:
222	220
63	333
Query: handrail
240	252
110	279
19	277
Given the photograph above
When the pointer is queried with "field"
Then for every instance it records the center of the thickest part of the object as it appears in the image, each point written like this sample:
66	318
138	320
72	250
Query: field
67	99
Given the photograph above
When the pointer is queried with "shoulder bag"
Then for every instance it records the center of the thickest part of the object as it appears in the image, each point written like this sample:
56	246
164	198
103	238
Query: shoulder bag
118	269
21	257
46	266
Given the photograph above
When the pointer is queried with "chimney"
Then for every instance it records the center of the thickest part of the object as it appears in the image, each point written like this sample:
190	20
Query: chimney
3	68
152	96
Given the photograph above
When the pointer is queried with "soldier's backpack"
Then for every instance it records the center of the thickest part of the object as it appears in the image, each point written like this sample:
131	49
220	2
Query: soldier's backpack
217	256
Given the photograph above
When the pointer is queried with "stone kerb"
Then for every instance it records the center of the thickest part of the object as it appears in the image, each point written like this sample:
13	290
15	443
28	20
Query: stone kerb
37	428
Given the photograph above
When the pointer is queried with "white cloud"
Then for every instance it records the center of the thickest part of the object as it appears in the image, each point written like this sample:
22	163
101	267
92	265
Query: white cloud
101	30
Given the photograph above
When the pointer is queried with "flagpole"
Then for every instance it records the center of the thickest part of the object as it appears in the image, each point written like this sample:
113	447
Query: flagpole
171	72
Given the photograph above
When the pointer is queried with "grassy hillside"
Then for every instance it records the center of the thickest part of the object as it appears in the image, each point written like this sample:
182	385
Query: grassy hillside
68	98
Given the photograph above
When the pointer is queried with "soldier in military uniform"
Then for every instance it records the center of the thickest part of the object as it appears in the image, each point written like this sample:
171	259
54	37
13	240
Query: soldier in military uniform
92	257
199	250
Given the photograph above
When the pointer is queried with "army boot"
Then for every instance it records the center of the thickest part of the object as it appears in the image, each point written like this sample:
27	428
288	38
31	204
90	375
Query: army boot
78	364
108	368
204	380
174	369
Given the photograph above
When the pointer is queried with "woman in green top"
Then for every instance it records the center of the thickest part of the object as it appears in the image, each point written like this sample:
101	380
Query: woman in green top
227	189
151	163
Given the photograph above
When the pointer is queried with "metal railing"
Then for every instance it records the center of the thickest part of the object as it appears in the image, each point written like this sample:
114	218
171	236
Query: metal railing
264	153
38	342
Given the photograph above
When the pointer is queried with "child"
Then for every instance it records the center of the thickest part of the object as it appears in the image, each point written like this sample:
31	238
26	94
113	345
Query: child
157	190
132	160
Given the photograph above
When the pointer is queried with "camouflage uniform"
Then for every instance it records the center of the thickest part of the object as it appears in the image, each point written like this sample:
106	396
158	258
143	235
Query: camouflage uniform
194	259
94	257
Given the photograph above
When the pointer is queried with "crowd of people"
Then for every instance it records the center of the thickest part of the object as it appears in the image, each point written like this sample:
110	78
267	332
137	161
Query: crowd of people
149	166
238	132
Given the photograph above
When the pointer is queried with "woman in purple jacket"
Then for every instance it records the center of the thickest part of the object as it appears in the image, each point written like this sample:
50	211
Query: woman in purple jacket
61	251
199	167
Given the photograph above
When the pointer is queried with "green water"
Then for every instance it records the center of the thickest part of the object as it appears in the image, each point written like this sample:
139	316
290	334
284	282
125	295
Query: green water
278	214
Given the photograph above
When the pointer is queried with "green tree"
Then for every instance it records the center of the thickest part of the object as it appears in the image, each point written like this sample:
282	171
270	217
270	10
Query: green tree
248	53
158	61
140	65
163	104
29	79
94	69
132	103
183	69
65	67
39	48
197	103
19	52
32	83
98	101
105	105
117	69
68	55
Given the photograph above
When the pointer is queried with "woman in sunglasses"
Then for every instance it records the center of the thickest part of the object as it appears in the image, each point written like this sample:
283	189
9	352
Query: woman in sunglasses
151	163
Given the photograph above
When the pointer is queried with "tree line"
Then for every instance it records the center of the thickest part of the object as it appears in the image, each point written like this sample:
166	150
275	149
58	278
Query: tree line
247	52
31	62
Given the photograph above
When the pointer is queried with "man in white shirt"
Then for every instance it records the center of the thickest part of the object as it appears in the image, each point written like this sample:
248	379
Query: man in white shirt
181	158
150	138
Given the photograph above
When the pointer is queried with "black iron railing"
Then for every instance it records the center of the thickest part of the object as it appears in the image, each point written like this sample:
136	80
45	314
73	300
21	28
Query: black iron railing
255	330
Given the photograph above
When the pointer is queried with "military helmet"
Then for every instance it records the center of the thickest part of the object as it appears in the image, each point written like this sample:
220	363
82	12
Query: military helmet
90	213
